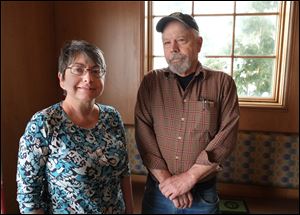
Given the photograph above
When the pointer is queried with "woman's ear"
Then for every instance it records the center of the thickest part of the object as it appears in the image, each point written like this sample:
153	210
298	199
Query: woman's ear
61	80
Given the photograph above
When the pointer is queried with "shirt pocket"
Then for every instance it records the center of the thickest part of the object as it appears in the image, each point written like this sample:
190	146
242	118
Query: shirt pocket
205	115
211	116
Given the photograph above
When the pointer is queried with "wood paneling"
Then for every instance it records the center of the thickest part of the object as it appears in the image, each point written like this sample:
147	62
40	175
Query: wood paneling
28	78
32	34
115	27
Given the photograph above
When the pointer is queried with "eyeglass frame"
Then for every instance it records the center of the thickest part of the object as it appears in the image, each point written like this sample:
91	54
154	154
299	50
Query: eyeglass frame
100	74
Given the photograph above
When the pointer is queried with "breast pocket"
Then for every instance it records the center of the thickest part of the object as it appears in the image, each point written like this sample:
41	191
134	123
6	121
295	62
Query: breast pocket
204	113
211	116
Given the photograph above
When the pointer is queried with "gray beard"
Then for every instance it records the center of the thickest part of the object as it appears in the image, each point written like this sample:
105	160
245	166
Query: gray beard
180	69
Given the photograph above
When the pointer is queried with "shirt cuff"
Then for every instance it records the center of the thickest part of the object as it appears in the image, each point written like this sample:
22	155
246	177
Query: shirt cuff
203	159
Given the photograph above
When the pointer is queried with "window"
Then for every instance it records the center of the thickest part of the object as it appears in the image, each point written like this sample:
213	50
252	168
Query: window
248	40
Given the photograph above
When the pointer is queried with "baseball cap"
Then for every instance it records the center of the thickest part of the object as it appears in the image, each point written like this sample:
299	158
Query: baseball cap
186	19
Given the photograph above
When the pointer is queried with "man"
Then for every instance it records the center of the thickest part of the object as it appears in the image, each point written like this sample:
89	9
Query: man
186	124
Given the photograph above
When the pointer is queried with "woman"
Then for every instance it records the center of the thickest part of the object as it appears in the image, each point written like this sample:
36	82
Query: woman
72	156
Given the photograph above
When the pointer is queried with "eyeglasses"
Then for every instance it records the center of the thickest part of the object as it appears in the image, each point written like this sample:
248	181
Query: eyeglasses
80	71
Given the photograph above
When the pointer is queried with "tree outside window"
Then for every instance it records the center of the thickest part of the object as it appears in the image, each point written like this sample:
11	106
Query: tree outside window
243	39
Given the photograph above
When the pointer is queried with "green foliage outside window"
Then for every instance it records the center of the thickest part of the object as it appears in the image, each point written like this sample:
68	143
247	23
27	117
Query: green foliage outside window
255	36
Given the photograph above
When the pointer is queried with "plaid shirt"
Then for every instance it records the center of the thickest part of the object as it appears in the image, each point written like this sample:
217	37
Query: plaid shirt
177	128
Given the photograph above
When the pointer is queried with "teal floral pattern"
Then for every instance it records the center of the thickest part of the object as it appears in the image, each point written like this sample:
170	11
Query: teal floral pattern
63	168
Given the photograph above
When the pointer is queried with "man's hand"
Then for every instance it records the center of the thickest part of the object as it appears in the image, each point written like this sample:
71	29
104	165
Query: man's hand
177	185
183	201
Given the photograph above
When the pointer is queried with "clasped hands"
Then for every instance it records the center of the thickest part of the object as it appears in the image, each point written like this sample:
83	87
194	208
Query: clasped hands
177	188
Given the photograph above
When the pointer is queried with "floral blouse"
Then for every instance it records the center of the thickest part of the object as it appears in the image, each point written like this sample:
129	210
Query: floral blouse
63	168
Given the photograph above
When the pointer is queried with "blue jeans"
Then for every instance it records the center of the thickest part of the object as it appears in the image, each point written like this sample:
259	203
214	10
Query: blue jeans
205	200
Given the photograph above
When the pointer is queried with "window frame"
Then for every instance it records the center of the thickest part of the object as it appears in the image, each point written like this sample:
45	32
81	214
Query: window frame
282	55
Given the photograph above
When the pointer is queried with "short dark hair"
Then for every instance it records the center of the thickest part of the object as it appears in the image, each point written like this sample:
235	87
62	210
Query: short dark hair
74	47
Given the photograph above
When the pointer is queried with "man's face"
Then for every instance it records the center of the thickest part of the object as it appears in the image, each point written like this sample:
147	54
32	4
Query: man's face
181	48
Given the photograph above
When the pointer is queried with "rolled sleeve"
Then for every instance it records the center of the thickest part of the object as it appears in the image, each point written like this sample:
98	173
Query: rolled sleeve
225	140
144	133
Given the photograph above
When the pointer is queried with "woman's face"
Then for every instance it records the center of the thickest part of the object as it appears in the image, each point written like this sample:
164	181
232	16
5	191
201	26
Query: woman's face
83	88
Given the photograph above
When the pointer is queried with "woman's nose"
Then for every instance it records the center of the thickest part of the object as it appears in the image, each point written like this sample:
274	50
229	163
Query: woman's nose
88	77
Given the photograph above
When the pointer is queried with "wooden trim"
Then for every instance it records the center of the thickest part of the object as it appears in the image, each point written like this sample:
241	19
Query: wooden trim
138	178
255	191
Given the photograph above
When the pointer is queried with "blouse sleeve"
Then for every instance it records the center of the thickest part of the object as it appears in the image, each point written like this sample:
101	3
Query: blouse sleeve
32	157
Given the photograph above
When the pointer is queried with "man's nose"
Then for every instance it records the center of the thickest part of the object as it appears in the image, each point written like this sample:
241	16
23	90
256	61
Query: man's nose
174	47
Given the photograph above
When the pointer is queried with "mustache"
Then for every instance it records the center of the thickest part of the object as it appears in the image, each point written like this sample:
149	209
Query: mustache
177	56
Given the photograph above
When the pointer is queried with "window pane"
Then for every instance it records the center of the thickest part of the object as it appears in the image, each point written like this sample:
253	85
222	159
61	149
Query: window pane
221	64
255	35
168	7
251	59
256	6
254	77
216	33
159	63
157	41
209	7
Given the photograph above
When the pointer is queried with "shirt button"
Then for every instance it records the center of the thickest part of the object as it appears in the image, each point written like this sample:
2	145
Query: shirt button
182	119
185	100
176	157
179	138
